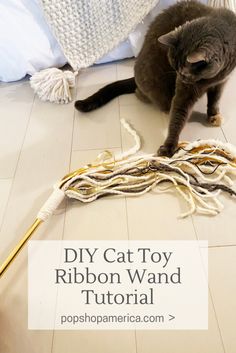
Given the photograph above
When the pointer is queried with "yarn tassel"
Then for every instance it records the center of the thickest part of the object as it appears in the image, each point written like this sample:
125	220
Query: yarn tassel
54	85
229	4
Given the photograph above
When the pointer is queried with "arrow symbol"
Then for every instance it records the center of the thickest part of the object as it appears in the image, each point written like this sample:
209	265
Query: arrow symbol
171	317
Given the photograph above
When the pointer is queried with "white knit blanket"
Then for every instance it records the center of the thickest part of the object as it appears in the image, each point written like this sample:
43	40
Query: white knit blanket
89	29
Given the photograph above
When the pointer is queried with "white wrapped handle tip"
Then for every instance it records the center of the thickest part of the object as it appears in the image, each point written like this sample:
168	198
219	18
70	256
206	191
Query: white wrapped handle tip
51	204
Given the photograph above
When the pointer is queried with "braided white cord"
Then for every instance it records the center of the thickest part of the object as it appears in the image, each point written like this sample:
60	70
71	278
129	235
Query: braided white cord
136	137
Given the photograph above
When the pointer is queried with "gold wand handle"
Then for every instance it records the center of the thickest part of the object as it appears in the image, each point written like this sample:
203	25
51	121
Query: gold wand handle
19	246
50	205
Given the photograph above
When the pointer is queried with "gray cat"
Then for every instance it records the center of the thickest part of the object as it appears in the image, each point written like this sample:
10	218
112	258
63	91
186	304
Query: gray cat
189	50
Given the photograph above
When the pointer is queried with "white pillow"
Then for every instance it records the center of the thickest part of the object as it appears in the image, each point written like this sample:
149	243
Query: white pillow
26	43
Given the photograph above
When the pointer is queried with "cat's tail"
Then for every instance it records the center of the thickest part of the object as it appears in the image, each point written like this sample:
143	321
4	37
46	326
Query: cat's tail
106	94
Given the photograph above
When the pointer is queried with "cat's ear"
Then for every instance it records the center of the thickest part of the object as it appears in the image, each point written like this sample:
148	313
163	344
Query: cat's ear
169	39
196	56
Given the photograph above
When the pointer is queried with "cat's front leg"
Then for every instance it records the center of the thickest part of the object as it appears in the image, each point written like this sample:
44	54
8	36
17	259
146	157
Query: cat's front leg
213	111
181	107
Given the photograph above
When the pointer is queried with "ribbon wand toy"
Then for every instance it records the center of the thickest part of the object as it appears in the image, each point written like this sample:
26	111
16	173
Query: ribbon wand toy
198	172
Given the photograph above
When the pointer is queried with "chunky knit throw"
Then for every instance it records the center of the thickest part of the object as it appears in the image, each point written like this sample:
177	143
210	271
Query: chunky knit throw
89	29
230	4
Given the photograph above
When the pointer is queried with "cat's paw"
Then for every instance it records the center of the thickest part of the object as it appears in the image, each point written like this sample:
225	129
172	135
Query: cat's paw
215	120
166	151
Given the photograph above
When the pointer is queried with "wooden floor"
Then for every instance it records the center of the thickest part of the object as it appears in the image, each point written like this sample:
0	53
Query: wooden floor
39	143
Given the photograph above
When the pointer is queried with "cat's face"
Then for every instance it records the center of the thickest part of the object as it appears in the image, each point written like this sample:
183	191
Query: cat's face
194	55
194	67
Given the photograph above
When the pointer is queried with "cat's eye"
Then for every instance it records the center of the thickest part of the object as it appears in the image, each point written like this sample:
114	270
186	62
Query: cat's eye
199	64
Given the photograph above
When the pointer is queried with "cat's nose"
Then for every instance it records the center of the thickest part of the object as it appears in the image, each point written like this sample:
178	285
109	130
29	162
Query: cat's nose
186	79
185	73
